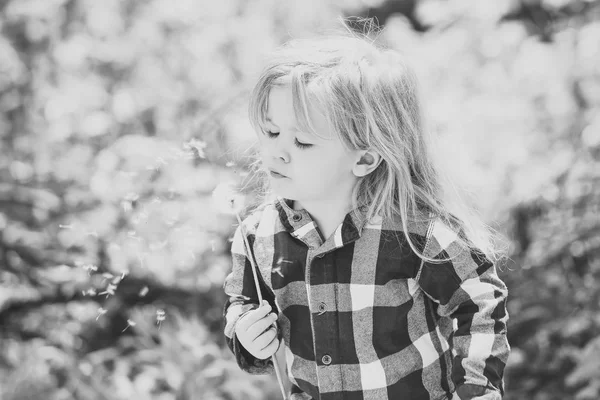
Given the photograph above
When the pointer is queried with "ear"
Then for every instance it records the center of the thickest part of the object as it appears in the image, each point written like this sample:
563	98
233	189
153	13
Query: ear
366	162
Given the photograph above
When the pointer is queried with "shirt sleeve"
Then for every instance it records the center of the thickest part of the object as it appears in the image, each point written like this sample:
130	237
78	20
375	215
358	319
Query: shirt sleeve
242	297
468	290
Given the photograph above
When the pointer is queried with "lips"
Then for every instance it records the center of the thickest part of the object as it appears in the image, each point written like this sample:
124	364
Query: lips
276	174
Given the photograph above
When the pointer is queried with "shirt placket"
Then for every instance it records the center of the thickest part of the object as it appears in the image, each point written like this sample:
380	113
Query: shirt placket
321	269
324	321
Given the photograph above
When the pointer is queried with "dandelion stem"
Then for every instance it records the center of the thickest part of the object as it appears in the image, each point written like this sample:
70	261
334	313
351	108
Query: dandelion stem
251	258
260	298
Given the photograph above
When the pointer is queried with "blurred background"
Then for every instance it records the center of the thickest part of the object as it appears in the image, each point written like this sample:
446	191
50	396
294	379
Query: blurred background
118	118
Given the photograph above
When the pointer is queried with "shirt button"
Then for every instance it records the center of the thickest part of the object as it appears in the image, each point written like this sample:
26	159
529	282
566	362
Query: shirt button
297	217
326	359
322	307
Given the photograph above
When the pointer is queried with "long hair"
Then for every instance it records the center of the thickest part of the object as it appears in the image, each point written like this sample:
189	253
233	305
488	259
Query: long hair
369	95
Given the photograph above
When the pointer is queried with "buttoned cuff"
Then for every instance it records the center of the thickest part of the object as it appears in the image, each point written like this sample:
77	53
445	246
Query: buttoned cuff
247	362
476	392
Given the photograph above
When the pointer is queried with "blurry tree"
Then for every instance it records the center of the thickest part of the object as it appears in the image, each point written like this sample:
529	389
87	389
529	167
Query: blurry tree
518	105
116	124
119	118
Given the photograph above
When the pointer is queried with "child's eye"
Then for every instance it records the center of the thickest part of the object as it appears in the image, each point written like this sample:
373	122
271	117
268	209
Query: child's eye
302	145
298	144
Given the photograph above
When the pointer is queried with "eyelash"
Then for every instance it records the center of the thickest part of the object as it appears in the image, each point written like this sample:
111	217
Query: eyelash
296	142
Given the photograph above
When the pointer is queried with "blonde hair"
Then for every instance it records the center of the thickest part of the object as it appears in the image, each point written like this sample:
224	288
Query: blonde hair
369	94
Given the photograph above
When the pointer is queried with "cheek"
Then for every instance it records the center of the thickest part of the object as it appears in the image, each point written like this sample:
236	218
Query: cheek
313	161
337	163
323	169
264	150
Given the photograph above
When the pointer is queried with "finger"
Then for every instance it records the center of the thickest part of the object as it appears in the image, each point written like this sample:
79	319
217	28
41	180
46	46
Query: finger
254	315
270	349
253	330
256	329
265	339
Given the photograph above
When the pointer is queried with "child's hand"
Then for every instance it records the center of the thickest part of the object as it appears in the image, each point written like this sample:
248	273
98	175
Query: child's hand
257	332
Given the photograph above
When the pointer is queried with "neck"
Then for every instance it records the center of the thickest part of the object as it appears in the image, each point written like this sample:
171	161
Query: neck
327	214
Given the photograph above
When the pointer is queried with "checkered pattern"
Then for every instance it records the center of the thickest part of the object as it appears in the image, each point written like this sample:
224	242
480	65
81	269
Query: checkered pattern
362	317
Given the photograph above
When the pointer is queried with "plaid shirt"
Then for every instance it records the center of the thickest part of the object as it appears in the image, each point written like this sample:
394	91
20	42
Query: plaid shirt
362	317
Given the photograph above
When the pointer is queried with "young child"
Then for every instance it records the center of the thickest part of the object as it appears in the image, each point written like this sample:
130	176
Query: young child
378	286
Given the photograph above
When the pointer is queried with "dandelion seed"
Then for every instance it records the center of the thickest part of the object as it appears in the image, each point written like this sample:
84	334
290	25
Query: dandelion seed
71	226
144	291
129	323
101	312
281	260
89	292
277	269
106	276
171	221
187	152
212	244
196	144
132	196
226	199
230	164
141	259
160	317
162	161
89	268
126	206
133	235
110	290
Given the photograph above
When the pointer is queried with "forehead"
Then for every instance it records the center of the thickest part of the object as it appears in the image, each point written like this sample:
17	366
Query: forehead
280	112
280	105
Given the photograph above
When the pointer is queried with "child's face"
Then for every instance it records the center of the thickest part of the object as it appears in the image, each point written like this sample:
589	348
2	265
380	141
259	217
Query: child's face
320	172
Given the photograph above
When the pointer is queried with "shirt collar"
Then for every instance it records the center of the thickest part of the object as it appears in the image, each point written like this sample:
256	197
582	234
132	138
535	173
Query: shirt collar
300	224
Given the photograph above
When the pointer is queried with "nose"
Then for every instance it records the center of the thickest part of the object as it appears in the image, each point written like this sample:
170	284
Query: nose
283	156
277	151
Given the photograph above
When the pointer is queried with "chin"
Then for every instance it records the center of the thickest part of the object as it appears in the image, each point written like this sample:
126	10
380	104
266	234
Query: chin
286	194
